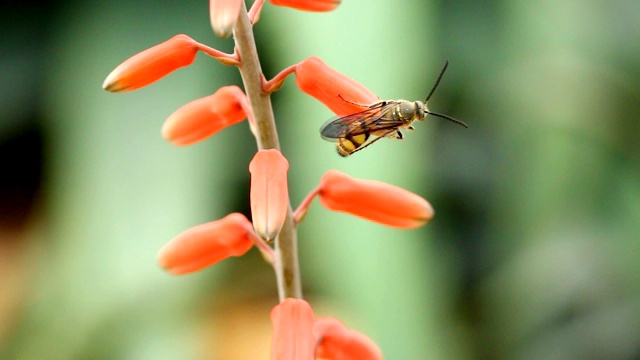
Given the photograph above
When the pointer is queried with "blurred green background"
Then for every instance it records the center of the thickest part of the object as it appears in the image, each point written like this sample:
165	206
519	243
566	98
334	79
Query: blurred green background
532	253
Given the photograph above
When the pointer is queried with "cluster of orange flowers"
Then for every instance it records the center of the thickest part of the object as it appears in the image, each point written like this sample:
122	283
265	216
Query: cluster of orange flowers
297	333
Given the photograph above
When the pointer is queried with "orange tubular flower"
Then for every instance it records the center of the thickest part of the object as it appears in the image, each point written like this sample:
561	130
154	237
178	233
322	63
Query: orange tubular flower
292	331
297	335
373	200
335	341
224	14
152	64
269	192
207	244
308	5
327	85
204	117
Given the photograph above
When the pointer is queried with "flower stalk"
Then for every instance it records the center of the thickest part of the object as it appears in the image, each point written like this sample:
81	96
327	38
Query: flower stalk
297	333
276	83
224	58
286	247
301	210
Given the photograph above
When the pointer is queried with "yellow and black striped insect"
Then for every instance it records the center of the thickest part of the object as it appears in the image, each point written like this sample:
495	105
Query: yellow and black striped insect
386	118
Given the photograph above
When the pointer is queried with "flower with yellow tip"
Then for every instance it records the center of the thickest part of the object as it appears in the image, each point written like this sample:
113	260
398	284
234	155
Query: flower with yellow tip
206	116
332	88
223	15
207	244
373	200
269	192
152	64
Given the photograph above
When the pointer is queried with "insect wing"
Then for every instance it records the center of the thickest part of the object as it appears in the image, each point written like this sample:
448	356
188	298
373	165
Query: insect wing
371	119
332	127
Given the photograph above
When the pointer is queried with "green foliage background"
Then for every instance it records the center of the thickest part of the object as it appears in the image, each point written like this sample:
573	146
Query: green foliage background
533	250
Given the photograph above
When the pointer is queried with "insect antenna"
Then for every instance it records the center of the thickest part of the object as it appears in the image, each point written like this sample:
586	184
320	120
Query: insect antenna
446	64
448	118
437	81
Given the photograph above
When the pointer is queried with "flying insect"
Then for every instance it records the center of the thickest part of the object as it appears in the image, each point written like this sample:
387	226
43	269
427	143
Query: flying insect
383	119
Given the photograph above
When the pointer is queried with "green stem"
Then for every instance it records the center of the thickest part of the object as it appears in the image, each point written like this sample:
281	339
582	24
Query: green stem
286	247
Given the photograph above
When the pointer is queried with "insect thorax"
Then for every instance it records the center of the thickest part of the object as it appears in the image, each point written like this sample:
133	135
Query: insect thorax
407	111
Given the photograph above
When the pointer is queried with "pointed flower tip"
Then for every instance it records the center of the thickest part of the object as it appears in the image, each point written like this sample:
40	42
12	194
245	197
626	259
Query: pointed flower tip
335	341
335	90
152	64
269	192
373	200
204	117
224	15
308	5
206	244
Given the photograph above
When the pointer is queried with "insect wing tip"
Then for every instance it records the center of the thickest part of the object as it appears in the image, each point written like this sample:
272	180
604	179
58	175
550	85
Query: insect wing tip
330	130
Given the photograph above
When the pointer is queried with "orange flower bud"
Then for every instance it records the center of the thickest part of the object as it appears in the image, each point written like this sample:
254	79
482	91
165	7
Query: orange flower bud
373	200
206	244
204	117
152	64
224	14
269	192
335	341
292	322
327	85
308	5
297	335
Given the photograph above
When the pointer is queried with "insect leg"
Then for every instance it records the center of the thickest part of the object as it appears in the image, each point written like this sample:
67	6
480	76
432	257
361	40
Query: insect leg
374	140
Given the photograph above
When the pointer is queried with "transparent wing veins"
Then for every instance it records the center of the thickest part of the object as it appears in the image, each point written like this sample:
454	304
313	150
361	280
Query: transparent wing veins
366	121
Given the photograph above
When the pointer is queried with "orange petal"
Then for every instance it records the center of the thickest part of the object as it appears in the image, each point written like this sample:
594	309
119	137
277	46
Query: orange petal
337	342
204	117
308	5
327	85
152	64
206	244
269	192
292	331
224	14
373	200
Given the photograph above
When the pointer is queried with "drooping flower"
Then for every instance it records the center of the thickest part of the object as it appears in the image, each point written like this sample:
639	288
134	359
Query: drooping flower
152	64
269	192
292	338
373	200
308	5
338	92
206	116
207	244
337	342
223	15
298	335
